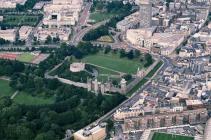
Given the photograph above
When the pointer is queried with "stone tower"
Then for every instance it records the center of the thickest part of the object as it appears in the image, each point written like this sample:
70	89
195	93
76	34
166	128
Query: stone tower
123	86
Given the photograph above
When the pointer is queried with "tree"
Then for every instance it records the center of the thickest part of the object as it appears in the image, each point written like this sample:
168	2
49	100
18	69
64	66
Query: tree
56	39
96	33
130	54
127	77
3	41
122	53
48	40
137	53
107	49
148	59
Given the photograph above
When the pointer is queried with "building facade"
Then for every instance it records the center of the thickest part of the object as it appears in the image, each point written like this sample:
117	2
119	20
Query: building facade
145	13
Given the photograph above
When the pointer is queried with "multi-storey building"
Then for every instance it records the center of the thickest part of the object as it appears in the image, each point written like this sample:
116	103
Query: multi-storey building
145	13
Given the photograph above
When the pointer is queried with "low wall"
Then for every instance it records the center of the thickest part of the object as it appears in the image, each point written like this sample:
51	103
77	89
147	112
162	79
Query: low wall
77	84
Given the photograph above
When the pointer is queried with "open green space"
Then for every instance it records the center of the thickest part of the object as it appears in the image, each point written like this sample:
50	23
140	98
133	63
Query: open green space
106	71
19	20
164	136
100	16
22	97
5	89
26	57
27	99
113	62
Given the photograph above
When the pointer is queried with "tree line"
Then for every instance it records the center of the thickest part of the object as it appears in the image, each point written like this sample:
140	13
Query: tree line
111	7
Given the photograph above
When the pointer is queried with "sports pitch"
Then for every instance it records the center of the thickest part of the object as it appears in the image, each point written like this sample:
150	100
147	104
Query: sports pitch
26	57
164	136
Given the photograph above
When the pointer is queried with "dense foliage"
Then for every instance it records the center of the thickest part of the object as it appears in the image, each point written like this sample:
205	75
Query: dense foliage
96	33
3	41
10	67
64	72
111	7
28	5
73	107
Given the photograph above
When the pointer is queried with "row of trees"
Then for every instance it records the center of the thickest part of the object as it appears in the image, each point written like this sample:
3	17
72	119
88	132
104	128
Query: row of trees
50	40
3	41
96	33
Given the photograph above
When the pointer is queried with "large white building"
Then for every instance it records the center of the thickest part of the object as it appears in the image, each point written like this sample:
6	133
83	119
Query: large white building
9	34
24	32
11	3
141	37
168	42
62	13
128	22
95	133
146	38
42	33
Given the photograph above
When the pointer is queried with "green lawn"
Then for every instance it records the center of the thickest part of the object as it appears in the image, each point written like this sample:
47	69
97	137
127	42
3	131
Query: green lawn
100	16
27	99
19	20
113	62
5	89
163	136
26	57
106	71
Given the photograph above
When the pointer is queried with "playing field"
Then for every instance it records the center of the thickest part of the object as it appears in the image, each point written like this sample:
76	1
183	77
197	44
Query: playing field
163	136
5	89
113	62
27	99
26	57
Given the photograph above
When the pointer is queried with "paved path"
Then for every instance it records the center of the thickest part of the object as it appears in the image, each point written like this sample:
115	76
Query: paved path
121	73
5	78
13	96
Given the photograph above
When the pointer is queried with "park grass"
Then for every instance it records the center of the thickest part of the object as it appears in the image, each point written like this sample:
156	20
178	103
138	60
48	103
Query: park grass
100	16
26	57
27	99
164	136
22	97
5	89
113	62
20	20
106	71
107	39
